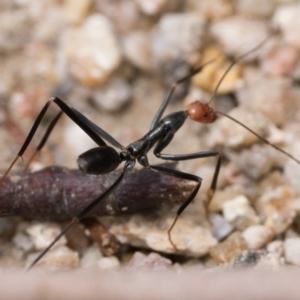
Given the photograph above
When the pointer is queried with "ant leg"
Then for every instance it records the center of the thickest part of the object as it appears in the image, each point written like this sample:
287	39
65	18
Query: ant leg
79	217
97	134
187	176
28	139
169	94
44	139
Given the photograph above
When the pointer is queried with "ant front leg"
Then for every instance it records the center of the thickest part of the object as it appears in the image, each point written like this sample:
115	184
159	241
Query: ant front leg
187	176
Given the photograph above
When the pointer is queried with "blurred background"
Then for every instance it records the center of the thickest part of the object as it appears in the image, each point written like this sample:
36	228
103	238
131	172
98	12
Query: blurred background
114	62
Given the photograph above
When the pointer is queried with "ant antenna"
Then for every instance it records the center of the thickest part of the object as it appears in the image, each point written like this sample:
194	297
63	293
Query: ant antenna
236	60
203	113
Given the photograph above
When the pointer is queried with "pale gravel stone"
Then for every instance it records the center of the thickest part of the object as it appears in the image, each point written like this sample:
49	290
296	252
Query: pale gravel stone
286	17
190	237
150	262
113	96
270	96
23	241
92	51
212	10
228	133
90	257
256	8
136	47
156	7
275	206
58	258
42	234
220	227
166	44
239	34
292	251
77	11
256	236
108	263
239	213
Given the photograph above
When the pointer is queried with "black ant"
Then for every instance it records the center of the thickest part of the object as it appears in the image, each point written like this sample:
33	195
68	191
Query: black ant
104	159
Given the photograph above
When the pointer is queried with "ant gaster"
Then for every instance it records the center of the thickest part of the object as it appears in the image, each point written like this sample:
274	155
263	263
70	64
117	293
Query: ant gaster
104	159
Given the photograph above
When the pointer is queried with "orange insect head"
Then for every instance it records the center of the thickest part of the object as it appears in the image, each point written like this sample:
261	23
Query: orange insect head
201	112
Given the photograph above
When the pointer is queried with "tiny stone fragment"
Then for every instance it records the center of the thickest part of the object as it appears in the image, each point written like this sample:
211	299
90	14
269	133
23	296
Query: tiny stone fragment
156	7
113	96
224	252
256	236
256	8
151	262
136	47
212	10
210	76
167	46
259	259
92	51
190	237
228	133
239	34
292	251
220	228
76	11
58	258
43	234
239	213
108	263
276	207
90	257
286	17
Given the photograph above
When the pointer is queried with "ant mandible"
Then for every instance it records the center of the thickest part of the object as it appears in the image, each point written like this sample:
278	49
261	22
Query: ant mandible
104	158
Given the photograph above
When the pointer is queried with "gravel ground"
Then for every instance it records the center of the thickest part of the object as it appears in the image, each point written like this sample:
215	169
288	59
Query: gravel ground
114	61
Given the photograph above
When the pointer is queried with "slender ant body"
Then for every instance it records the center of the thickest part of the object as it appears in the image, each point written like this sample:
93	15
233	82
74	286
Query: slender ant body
104	158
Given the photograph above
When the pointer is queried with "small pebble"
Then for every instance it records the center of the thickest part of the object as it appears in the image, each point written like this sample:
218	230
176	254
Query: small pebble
23	241
90	257
77	11
228	133
225	251
92	51
220	228
239	34
281	61
136	47
211	74
42	234
276	248
113	96
57	258
150	262
239	213
190	237
257	160
257	236
286	17
166	44
259	259
276	207
108	263
256	8
128	9
292	251
156	7
270	96
212	10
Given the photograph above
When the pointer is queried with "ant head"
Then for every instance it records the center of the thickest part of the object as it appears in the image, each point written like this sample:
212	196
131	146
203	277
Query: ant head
201	112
